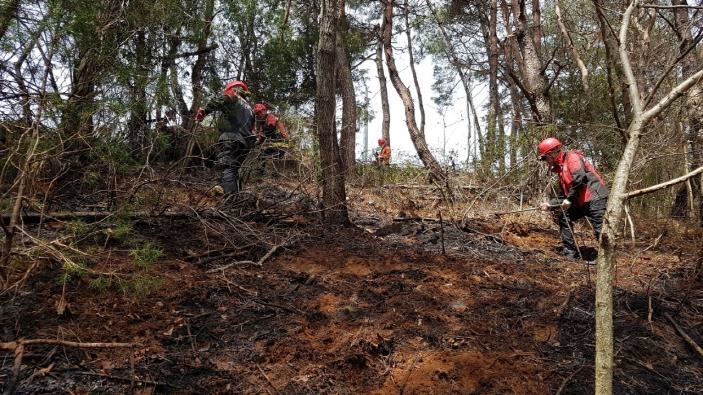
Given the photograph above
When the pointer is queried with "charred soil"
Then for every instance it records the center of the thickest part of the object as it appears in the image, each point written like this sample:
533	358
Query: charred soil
398	303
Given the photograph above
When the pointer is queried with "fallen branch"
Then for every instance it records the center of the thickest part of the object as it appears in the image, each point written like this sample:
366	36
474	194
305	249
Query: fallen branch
17	347
34	217
685	336
259	263
663	185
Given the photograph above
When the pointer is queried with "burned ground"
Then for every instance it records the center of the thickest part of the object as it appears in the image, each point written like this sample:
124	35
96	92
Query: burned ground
399	303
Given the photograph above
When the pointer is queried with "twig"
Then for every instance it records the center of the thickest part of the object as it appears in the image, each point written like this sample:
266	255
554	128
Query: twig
685	336
288	309
259	263
441	227
229	282
567	379
407	376
267	379
117	378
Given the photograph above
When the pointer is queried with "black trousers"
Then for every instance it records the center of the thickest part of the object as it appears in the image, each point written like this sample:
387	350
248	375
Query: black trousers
233	149
593	210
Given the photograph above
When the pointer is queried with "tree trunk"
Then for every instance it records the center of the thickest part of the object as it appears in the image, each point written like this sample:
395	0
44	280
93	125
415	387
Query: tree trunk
434	169
385	107
137	124
411	59
347	142
613	215
489	154
333	193
531	65
693	122
616	80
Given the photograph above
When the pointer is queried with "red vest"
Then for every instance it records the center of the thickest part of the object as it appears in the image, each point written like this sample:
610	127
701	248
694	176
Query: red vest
579	180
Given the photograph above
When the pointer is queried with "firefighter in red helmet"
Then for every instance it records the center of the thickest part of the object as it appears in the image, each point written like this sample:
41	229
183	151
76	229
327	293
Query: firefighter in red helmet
383	152
582	192
270	131
235	125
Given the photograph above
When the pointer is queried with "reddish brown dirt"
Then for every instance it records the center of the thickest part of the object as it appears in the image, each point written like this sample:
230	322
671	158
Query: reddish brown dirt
366	309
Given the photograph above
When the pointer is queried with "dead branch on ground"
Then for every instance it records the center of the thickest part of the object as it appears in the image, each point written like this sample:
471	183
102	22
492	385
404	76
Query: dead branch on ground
685	336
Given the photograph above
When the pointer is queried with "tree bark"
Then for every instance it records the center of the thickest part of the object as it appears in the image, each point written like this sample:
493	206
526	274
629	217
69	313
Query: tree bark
490	153
531	66
333	193
433	167
347	142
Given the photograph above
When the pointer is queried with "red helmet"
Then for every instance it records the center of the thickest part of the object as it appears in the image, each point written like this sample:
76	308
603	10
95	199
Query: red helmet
260	108
381	141
547	145
238	85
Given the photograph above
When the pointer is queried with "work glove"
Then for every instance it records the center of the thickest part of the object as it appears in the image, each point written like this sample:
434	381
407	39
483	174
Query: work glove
200	114
565	204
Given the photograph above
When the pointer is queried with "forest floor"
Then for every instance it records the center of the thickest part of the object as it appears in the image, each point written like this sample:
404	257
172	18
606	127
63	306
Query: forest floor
264	299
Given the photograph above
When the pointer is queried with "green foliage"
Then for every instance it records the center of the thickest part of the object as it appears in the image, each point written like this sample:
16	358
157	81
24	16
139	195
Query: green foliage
112	152
101	283
71	270
123	230
145	256
141	285
163	142
6	204
77	227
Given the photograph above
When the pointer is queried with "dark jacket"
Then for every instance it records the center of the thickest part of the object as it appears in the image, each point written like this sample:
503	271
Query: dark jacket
236	115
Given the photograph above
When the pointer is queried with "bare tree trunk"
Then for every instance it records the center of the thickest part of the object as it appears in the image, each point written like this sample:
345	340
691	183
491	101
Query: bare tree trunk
471	112
434	169
450	53
531	65
572	48
383	87
527	35
693	122
347	143
616	80
196	78
411	58
613	215
137	124
333	193
489	154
